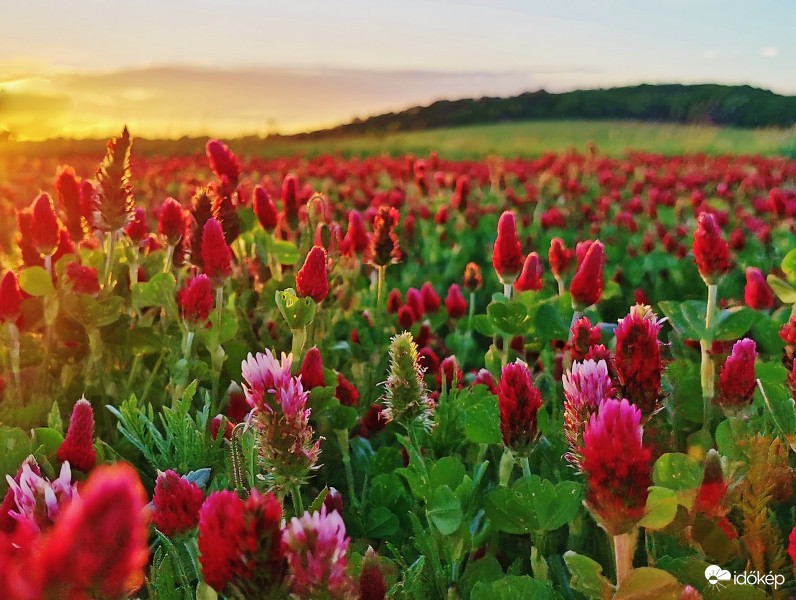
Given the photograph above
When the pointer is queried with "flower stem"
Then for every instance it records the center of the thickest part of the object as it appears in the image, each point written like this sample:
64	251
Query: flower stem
299	339
109	262
708	369
295	496
169	258
526	467
506	465
342	439
471	314
624	546
219	305
381	270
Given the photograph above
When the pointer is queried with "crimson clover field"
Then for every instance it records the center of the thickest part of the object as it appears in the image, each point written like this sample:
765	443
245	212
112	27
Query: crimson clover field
566	377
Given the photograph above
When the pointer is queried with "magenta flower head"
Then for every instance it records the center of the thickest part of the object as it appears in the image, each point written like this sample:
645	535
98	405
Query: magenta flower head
10	298
587	285
616	465
265	209
177	502
98	546
585	387
638	357
317	552
172	221
519	403
737	378
507	254
584	336
78	446
430	298
264	373
195	299
311	372
216	255
240	545
356	238
531	276
222	161
711	252
757	294
312	279
559	256
455	304
45	226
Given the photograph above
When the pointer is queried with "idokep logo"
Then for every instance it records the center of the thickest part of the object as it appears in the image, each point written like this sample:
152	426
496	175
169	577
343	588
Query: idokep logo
718	578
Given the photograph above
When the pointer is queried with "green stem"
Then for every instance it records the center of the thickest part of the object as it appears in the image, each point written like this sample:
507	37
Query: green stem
295	495
506	465
624	546
380	286
133	371
109	262
707	372
342	439
151	379
236	456
299	339
471	314
169	258
219	305
506	340
187	342
526	467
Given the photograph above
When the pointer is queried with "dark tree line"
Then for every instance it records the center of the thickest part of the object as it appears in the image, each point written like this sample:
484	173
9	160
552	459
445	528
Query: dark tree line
738	106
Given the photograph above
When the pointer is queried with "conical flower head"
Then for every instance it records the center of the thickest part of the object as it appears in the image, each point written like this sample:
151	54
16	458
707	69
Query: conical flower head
616	465
177	502
78	446
172	222
585	387
757	294
201	212
67	187
371	580
240	545
98	547
507	254
138	228
265	209
559	256
317	552
356	238
286	442
531	276
45	226
406	398
195	299
290	197
519	403
638	357
224	210
383	248
10	298
223	161
430	298
312	280
216	255
587	284
115	197
584	336
311	371
713	487
711	252
455	304
737	378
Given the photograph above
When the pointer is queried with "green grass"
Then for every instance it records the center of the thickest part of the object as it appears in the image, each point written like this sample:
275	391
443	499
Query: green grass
529	139
524	139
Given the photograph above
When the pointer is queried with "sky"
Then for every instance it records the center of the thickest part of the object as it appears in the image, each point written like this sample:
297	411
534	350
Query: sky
168	68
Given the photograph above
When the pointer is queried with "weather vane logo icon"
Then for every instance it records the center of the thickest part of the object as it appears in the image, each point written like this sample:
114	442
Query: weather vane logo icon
716	576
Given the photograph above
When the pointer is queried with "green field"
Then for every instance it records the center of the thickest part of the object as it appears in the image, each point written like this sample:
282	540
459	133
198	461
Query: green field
525	139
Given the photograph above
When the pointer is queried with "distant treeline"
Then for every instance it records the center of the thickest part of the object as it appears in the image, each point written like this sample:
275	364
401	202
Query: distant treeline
708	104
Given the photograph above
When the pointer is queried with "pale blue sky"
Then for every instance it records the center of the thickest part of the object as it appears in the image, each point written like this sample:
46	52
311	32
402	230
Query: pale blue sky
469	47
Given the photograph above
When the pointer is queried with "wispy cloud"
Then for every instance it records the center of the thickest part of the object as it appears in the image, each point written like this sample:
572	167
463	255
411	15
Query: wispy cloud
770	52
